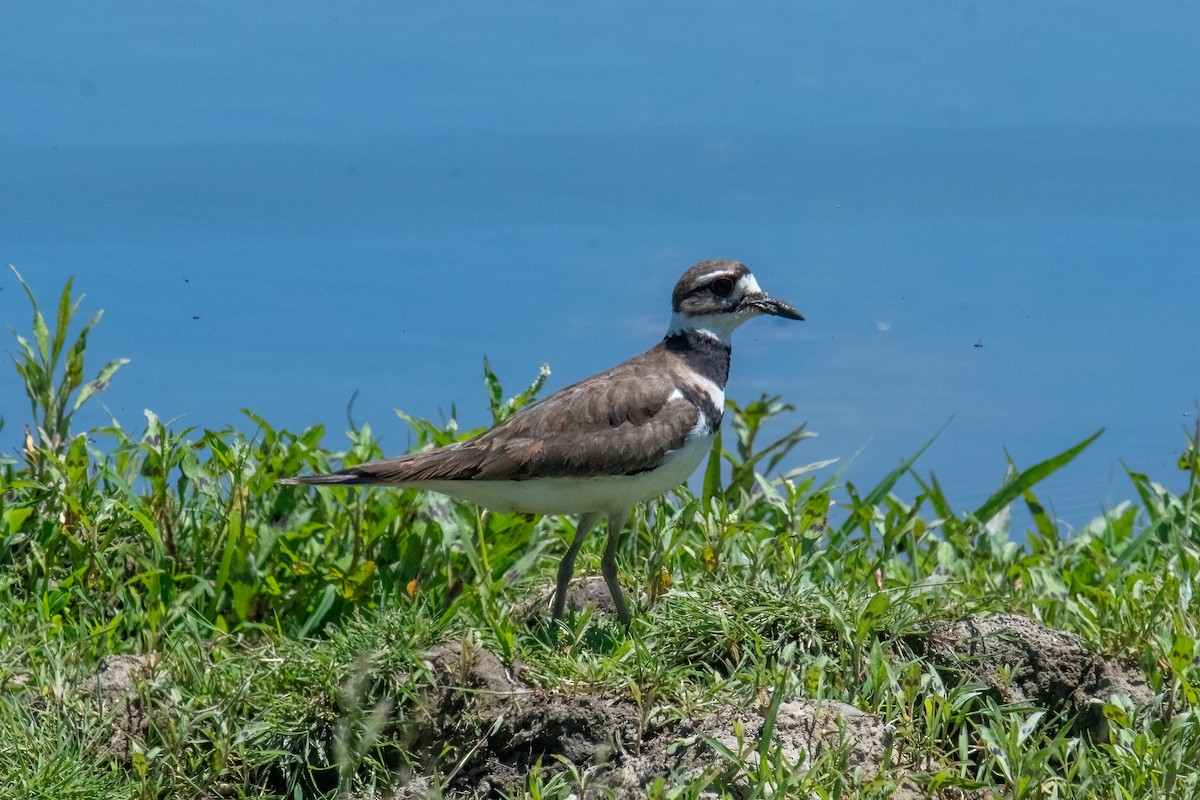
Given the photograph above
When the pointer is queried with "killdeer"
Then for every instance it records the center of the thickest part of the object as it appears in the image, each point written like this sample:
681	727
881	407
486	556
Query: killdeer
599	446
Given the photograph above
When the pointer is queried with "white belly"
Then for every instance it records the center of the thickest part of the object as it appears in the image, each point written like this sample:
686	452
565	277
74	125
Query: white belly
608	495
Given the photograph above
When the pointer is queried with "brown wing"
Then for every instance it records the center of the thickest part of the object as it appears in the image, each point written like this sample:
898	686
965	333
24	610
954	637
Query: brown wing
619	422
623	420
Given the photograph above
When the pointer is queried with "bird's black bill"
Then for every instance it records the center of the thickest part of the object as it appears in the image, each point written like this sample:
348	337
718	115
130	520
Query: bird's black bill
776	308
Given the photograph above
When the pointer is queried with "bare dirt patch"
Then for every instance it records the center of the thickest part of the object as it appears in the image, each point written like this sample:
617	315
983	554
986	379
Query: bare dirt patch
112	691
499	728
1022	661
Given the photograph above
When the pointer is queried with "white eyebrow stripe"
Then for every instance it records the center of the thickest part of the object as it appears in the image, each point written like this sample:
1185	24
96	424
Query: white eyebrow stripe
717	273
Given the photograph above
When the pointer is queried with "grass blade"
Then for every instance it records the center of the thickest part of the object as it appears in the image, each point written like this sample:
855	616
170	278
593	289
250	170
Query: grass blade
882	489
1022	482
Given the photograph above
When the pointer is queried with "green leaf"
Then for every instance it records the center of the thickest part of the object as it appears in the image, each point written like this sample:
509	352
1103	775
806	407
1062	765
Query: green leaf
495	392
225	565
356	583
144	520
25	286
877	606
42	334
15	516
101	381
241	594
221	451
1020	483
73	374
318	615
884	487
503	409
1041	520
26	349
1148	536
91	323
1182	651
269	434
712	472
769	718
936	495
61	322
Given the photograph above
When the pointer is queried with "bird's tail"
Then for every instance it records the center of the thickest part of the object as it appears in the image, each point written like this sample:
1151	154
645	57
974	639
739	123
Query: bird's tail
346	477
444	464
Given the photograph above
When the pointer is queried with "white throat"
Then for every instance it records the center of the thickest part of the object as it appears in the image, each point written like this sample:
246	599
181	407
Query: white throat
719	326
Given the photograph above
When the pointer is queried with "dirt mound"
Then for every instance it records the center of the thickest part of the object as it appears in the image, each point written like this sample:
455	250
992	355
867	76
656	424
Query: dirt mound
112	691
586	593
803	732
1049	668
498	728
482	729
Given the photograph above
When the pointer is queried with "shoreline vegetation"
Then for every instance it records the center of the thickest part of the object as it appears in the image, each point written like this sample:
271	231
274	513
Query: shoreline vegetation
174	624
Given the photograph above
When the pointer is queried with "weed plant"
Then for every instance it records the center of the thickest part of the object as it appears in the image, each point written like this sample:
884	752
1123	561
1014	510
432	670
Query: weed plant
280	630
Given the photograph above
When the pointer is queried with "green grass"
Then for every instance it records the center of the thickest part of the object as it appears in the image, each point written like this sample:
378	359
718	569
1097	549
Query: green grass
287	626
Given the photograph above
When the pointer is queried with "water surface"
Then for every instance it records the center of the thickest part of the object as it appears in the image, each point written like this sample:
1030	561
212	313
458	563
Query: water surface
989	216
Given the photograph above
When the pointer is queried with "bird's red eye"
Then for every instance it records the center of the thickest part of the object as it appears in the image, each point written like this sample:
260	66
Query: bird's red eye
722	286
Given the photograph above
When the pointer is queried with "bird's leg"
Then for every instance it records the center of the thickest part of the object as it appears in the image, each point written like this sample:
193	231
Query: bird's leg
608	565
566	567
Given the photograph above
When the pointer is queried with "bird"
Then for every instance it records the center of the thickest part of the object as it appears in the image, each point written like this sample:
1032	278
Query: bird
602	445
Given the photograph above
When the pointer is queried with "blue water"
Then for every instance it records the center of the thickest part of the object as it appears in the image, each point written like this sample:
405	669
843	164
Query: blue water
990	216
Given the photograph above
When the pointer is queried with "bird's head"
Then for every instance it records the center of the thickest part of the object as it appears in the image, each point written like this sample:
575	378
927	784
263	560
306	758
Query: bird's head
717	296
